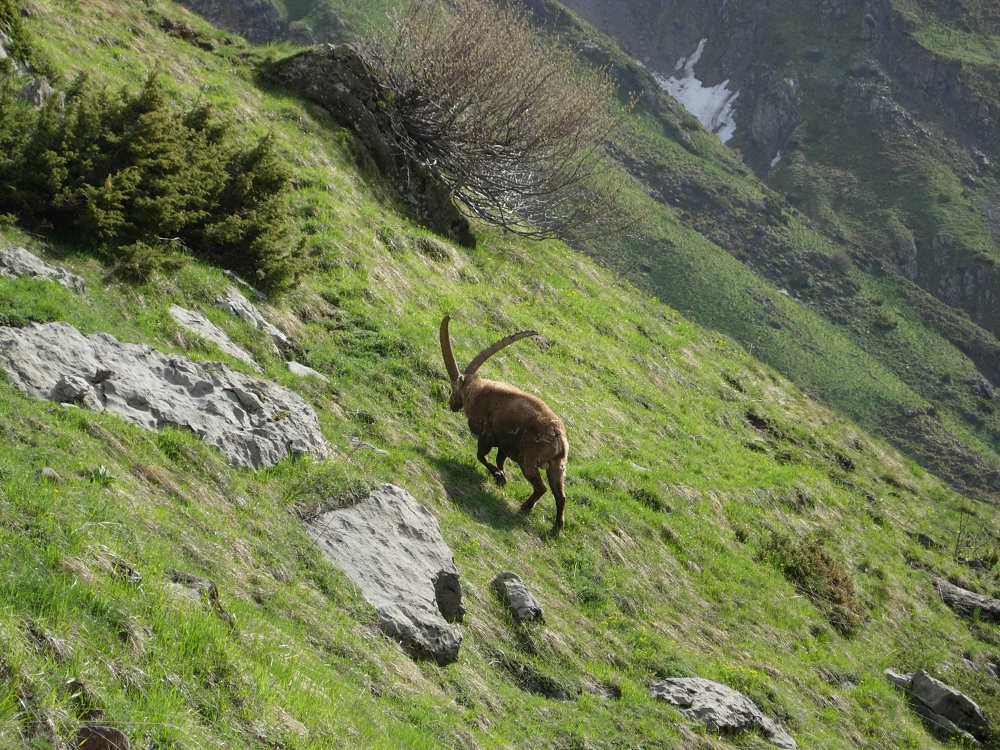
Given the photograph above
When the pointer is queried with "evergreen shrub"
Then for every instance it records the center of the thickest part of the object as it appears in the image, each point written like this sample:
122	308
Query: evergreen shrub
132	172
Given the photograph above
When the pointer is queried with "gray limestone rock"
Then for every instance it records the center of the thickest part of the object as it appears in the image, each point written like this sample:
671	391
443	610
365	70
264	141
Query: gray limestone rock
254	422
392	548
36	91
968	603
239	306
719	707
199	325
511	590
949	711
304	372
17	262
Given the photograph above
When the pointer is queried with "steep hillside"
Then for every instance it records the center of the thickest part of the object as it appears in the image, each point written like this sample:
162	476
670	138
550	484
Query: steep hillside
720	522
876	221
873	121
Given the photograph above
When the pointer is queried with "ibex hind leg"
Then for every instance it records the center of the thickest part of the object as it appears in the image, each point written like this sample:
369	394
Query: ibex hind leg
557	480
532	474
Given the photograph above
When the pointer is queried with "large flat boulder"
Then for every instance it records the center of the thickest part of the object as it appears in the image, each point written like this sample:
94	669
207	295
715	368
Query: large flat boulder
254	422
719	707
392	548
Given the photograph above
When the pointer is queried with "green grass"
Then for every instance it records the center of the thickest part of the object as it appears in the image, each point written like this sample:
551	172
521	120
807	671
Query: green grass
687	458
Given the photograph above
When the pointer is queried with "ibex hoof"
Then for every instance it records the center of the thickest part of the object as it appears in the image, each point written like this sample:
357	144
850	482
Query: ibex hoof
526	507
500	477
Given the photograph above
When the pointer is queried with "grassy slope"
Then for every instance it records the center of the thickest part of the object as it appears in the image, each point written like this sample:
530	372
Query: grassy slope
856	340
664	569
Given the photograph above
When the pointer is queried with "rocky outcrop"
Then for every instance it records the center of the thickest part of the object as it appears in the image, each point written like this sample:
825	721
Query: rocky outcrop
239	306
257	20
511	590
720	708
392	548
948	711
338	79
19	262
198	324
968	603
254	422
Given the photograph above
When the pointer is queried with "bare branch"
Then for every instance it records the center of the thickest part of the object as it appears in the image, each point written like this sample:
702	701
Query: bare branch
511	123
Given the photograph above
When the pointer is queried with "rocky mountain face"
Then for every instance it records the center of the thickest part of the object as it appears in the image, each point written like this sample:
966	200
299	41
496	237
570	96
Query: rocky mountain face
873	116
261	21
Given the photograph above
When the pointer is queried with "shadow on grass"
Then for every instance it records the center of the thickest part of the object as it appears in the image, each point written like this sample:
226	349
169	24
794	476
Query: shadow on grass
470	490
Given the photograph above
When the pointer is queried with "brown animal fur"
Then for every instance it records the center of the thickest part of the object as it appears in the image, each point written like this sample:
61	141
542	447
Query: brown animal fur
520	426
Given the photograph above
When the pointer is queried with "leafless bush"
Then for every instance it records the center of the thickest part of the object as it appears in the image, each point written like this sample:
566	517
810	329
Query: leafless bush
513	124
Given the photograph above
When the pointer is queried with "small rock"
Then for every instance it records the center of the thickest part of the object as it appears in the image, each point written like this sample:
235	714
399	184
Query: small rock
239	306
199	325
968	603
510	589
101	738
304	372
720	708
49	475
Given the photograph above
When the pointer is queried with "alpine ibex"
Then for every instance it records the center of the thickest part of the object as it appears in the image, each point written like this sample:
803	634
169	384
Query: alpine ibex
520	426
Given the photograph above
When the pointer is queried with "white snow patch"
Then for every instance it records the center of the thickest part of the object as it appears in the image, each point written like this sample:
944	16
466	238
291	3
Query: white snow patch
712	105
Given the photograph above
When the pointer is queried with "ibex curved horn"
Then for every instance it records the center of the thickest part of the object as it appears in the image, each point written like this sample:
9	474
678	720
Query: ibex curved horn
489	351
449	358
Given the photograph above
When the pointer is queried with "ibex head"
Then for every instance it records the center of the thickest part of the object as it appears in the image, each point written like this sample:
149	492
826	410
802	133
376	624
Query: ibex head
458	378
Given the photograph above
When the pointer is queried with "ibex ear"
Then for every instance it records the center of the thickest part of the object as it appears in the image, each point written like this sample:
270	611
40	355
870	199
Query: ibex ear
461	379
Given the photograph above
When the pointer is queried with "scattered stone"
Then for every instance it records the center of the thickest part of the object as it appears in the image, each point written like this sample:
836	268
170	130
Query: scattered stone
510	589
948	711
719	707
968	603
17	262
49	475
359	444
199	325
239	306
206	589
923	540
392	548
254	422
100	738
36	91
305	372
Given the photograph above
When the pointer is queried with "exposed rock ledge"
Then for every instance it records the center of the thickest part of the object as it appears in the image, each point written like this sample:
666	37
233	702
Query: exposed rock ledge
254	422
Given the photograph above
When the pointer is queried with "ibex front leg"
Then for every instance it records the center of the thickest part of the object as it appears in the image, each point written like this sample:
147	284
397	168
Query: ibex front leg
484	447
